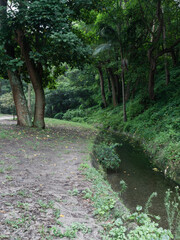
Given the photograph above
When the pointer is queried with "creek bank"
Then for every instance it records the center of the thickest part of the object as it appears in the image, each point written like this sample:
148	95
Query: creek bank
134	194
169	171
150	148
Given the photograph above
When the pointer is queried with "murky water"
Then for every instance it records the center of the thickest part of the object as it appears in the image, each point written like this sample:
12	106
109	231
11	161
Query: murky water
140	178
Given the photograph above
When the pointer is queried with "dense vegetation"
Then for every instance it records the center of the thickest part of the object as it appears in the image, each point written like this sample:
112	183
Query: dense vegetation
115	64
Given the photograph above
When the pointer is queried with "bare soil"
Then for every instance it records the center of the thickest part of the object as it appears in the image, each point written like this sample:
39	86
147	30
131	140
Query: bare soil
39	182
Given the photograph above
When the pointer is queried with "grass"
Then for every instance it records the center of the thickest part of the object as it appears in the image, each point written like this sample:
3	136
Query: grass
56	122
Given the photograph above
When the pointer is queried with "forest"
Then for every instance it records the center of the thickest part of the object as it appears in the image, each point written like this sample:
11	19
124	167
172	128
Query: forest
112	64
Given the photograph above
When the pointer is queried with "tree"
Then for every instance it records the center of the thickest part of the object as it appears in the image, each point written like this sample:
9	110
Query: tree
47	36
160	15
8	63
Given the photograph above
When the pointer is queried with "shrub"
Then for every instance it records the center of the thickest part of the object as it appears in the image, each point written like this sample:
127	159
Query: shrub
59	115
70	114
107	156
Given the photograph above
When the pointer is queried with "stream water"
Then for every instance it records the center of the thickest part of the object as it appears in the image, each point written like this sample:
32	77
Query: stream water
141	179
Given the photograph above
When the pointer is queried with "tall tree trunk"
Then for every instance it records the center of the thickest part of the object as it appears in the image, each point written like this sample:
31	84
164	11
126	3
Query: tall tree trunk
127	93
167	73
124	65
114	97
174	58
109	81
151	56
29	98
123	96
36	80
135	88
23	116
102	86
118	88
152	78
0	92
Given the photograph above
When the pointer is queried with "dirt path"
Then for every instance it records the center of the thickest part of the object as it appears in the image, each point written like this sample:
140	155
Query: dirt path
4	118
39	182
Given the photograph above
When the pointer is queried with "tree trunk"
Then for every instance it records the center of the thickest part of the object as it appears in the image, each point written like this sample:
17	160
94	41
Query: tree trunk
135	88
166	70
123	95
29	98
127	93
109	81
36	80
114	98
23	116
167	73
102	86
152	59
0	93
118	89
174	58
151	78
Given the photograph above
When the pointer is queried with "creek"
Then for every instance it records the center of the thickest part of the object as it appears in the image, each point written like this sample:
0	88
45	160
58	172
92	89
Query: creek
141	179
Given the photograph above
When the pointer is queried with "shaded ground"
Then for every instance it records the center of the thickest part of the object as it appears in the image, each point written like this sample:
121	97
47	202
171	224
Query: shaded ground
39	179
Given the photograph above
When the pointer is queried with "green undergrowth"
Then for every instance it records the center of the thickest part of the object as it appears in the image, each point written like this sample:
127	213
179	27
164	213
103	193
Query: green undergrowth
56	122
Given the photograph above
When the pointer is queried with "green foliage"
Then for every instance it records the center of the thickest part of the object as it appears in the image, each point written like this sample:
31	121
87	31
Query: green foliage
148	231
123	187
147	228
7	103
107	156
116	232
172	204
101	195
72	96
149	202
73	114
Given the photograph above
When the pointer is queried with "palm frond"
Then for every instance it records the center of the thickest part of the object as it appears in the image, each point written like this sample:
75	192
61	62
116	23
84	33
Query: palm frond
101	48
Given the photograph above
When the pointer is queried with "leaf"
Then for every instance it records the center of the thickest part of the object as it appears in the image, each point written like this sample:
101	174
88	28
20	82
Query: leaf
138	208
101	48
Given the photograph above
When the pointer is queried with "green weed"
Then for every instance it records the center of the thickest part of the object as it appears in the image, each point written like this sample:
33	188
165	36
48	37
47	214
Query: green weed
23	205
47	205
172	205
18	222
9	178
2	170
107	156
123	187
74	192
22	193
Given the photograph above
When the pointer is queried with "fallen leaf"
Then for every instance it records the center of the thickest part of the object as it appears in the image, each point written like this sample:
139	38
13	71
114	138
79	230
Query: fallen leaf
155	169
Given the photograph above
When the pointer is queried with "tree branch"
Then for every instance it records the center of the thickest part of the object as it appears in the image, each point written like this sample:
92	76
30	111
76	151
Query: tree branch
167	50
